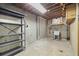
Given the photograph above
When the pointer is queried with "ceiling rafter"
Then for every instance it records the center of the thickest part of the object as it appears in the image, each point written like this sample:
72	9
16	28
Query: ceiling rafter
55	9
51	6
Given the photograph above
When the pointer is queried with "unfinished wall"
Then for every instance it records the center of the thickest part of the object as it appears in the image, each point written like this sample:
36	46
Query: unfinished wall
78	29
32	31
30	20
78	37
36	27
62	28
73	36
74	33
49	22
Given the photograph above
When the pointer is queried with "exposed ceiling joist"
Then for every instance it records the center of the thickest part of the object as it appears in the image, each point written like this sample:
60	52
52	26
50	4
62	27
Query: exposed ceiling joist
50	6
55	9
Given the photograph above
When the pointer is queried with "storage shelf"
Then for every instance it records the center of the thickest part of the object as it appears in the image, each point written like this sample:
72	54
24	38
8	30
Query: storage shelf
10	13
10	43
10	23
10	34
12	51
20	40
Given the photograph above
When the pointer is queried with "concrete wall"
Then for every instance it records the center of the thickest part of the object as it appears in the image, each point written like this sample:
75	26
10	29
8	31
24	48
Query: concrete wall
49	22
42	27
61	28
30	19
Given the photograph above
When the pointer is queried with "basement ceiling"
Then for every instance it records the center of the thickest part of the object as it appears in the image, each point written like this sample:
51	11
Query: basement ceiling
54	10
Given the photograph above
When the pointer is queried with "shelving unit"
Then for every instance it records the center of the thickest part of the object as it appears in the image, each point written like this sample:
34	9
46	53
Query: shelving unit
11	23
8	44
10	34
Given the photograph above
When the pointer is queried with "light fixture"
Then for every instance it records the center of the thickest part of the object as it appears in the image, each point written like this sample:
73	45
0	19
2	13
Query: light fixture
48	10
39	7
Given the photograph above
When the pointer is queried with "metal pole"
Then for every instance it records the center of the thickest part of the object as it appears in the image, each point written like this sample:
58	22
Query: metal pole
24	34
21	35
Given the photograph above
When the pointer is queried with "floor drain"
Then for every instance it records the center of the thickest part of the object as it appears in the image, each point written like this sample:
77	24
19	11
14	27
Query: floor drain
61	51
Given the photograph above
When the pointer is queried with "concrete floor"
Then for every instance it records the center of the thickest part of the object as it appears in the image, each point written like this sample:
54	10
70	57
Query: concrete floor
48	47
